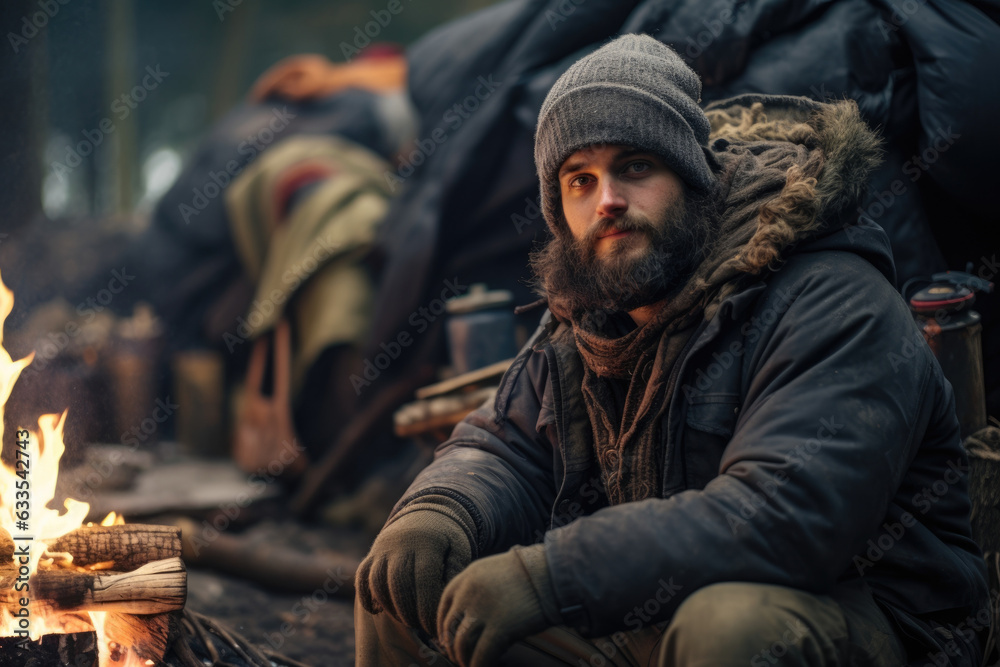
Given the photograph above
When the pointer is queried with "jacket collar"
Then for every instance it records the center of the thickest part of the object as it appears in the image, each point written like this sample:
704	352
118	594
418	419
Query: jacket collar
733	307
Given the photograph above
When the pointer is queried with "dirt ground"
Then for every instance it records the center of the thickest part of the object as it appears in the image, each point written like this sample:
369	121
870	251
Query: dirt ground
316	629
315	633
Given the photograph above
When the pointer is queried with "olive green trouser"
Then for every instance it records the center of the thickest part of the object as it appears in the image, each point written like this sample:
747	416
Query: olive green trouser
723	625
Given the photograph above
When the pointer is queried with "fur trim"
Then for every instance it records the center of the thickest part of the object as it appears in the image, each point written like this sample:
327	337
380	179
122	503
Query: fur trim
818	192
852	150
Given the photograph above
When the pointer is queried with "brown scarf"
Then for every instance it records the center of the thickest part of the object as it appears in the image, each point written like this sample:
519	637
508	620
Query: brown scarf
642	359
769	189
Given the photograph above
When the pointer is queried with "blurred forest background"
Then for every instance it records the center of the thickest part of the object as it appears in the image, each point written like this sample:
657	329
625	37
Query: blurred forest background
66	65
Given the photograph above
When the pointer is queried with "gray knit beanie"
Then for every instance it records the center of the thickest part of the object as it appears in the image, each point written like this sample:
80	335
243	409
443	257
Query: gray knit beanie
634	91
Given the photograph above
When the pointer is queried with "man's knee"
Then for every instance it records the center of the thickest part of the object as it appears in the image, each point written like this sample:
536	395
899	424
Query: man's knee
755	625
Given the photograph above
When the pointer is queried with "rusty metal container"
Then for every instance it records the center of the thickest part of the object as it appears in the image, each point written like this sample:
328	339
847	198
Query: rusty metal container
952	329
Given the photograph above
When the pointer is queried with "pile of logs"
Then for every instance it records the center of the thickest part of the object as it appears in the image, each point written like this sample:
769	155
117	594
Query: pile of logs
141	582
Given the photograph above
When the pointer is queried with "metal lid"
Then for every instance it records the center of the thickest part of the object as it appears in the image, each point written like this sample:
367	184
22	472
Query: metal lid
479	298
937	296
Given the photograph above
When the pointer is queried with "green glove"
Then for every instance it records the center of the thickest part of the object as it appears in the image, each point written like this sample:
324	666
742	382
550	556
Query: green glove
416	554
496	601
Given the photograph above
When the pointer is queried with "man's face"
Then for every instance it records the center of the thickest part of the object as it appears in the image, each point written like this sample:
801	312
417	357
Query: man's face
636	235
615	198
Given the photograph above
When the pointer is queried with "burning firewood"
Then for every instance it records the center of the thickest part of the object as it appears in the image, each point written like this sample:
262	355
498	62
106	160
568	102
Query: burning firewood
129	605
154	588
146	574
127	547
145	637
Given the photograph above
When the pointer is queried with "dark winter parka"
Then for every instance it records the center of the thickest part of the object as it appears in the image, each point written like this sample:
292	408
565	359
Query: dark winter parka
811	439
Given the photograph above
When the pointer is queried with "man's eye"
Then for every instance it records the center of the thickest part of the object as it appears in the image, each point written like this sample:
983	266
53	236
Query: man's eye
578	181
637	167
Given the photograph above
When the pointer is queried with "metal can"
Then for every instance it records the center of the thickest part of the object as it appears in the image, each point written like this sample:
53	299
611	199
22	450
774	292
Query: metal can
480	328
943	311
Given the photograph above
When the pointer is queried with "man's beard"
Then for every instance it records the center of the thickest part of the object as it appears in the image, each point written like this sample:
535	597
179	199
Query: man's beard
569	273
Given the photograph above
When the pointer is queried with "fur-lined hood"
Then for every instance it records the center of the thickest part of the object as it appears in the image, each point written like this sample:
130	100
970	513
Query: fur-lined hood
852	150
817	206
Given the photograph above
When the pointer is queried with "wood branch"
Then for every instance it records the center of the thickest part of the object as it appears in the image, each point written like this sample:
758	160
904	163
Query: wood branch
129	546
154	588
270	564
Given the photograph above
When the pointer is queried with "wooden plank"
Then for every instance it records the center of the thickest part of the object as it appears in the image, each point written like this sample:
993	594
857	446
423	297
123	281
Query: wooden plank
465	379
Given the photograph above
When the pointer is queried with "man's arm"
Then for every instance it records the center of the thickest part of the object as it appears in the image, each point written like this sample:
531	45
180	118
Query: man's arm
499	468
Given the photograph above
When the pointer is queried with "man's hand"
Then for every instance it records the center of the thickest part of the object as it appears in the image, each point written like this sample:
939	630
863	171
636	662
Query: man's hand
489	606
413	558
265	434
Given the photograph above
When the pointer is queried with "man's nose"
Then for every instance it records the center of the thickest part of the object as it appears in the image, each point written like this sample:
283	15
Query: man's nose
611	203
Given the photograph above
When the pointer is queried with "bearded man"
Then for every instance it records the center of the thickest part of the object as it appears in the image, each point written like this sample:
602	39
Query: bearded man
708	454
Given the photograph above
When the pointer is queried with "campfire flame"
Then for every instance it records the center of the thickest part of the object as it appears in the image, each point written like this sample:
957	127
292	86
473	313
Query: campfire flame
42	453
113	519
